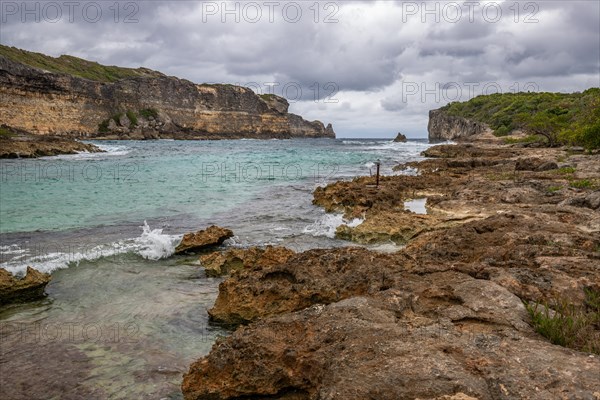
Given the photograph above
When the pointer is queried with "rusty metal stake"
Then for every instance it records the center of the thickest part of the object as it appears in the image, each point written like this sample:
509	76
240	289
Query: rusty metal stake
377	163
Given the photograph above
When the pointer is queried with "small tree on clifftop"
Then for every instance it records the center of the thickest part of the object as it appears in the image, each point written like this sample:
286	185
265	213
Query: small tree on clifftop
548	124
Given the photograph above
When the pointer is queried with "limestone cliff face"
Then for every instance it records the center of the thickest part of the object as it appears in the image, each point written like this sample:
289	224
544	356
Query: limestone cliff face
448	127
42	102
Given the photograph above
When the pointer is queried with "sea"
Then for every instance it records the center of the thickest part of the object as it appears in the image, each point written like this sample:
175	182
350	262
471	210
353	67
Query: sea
123	318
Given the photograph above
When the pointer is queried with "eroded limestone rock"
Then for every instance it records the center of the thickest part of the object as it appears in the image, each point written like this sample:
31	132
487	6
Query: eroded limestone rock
30	287
202	240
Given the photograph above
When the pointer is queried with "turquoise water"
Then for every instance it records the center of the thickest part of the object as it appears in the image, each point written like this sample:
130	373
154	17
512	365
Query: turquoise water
123	317
143	180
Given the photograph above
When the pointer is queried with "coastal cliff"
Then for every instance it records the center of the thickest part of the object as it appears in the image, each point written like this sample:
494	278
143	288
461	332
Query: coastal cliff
443	126
144	104
548	119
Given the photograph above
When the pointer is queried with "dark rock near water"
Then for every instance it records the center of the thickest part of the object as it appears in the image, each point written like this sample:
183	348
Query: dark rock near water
16	143
315	276
400	138
30	287
203	240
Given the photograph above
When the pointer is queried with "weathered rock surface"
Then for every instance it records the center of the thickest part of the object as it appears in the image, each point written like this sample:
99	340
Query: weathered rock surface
533	255
535	164
202	240
312	277
30	287
31	146
389	226
43	102
469	152
489	209
589	200
444	335
443	126
223	263
443	318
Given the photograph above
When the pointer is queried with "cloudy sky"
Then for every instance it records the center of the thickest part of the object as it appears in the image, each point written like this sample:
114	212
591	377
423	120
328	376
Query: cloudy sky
372	68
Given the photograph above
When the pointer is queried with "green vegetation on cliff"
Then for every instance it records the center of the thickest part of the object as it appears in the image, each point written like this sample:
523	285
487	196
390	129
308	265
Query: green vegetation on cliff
560	118
267	96
4	132
132	116
74	66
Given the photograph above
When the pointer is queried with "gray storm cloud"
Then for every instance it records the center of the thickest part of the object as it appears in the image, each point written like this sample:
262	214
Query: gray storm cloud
355	63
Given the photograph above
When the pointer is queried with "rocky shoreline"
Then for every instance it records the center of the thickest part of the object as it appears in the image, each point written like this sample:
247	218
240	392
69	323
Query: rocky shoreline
19	144
449	316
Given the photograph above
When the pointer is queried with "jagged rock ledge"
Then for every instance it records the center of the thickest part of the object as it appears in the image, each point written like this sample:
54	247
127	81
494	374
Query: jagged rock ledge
19	144
147	106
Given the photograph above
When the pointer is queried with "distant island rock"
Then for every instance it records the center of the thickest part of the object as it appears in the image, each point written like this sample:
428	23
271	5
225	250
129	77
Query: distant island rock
76	98
400	138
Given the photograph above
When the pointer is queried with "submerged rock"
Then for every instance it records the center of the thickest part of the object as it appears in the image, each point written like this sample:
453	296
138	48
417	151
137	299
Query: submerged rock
203	240
223	263
31	287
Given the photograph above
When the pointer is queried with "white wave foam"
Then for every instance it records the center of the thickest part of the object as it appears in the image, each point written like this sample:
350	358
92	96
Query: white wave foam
279	228
152	244
371	143
355	142
109	150
409	171
12	249
112	150
328	223
404	146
